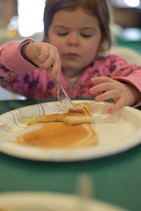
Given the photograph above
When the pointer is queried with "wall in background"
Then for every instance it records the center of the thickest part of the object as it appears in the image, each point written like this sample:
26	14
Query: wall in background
8	8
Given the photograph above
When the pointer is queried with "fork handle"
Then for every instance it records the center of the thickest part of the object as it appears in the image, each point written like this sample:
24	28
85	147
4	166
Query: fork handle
58	82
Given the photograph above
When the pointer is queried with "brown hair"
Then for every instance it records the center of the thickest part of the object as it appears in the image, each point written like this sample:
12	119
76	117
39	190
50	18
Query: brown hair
98	8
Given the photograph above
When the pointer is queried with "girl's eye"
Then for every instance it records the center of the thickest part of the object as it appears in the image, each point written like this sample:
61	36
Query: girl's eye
62	33
86	35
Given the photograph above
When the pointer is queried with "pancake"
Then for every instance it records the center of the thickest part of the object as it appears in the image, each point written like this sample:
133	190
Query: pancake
60	135
67	130
70	118
84	115
84	107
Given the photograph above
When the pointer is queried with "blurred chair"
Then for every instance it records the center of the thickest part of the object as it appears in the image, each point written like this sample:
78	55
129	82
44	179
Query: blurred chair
130	55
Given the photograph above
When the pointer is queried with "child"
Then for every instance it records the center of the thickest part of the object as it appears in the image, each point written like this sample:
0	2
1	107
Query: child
79	29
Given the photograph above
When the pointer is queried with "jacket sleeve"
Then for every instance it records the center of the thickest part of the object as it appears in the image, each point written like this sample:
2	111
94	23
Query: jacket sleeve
20	76
12	63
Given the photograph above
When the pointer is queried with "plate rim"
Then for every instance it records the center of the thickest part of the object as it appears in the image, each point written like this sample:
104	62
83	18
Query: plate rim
72	198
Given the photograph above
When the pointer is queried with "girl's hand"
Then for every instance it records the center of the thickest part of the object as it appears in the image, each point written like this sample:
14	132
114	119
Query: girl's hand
44	55
122	94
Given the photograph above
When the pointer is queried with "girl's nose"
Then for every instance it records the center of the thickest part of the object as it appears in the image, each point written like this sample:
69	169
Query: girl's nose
73	39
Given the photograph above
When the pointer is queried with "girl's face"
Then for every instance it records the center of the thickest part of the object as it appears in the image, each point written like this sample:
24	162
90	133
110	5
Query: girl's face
77	36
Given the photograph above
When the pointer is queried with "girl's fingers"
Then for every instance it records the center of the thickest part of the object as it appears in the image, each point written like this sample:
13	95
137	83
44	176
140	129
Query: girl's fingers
48	63
48	58
47	52
45	56
112	94
101	79
42	58
118	99
106	88
117	106
56	68
103	87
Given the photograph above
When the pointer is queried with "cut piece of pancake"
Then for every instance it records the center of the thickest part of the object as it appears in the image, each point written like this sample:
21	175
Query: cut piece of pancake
74	120
84	107
46	118
84	115
69	118
60	135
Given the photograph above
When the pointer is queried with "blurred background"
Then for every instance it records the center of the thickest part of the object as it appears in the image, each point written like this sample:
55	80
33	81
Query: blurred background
24	18
20	19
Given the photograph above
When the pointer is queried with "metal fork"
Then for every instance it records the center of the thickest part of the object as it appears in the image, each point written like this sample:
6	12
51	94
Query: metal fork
61	95
64	98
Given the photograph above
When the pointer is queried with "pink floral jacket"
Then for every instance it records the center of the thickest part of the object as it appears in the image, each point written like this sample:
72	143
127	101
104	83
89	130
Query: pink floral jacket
20	76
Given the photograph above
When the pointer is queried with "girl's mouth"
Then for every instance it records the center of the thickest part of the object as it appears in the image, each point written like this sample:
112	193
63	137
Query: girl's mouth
72	55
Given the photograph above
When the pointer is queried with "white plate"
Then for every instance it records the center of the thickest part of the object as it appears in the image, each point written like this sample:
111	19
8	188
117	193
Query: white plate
114	136
42	201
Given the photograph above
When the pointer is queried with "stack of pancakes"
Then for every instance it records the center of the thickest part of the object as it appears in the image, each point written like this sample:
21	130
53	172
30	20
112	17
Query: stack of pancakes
67	130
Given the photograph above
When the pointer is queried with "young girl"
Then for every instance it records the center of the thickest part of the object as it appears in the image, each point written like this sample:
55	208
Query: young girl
79	31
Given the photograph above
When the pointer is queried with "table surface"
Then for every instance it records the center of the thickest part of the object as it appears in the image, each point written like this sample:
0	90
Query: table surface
116	179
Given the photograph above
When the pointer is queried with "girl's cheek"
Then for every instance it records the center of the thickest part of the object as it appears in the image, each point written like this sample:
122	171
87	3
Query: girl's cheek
58	45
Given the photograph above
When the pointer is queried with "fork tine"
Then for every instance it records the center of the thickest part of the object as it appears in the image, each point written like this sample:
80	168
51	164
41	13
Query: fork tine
65	102
68	103
64	98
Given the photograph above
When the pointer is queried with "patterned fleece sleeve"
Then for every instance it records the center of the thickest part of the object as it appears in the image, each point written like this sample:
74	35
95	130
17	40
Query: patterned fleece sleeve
12	63
120	70
20	76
